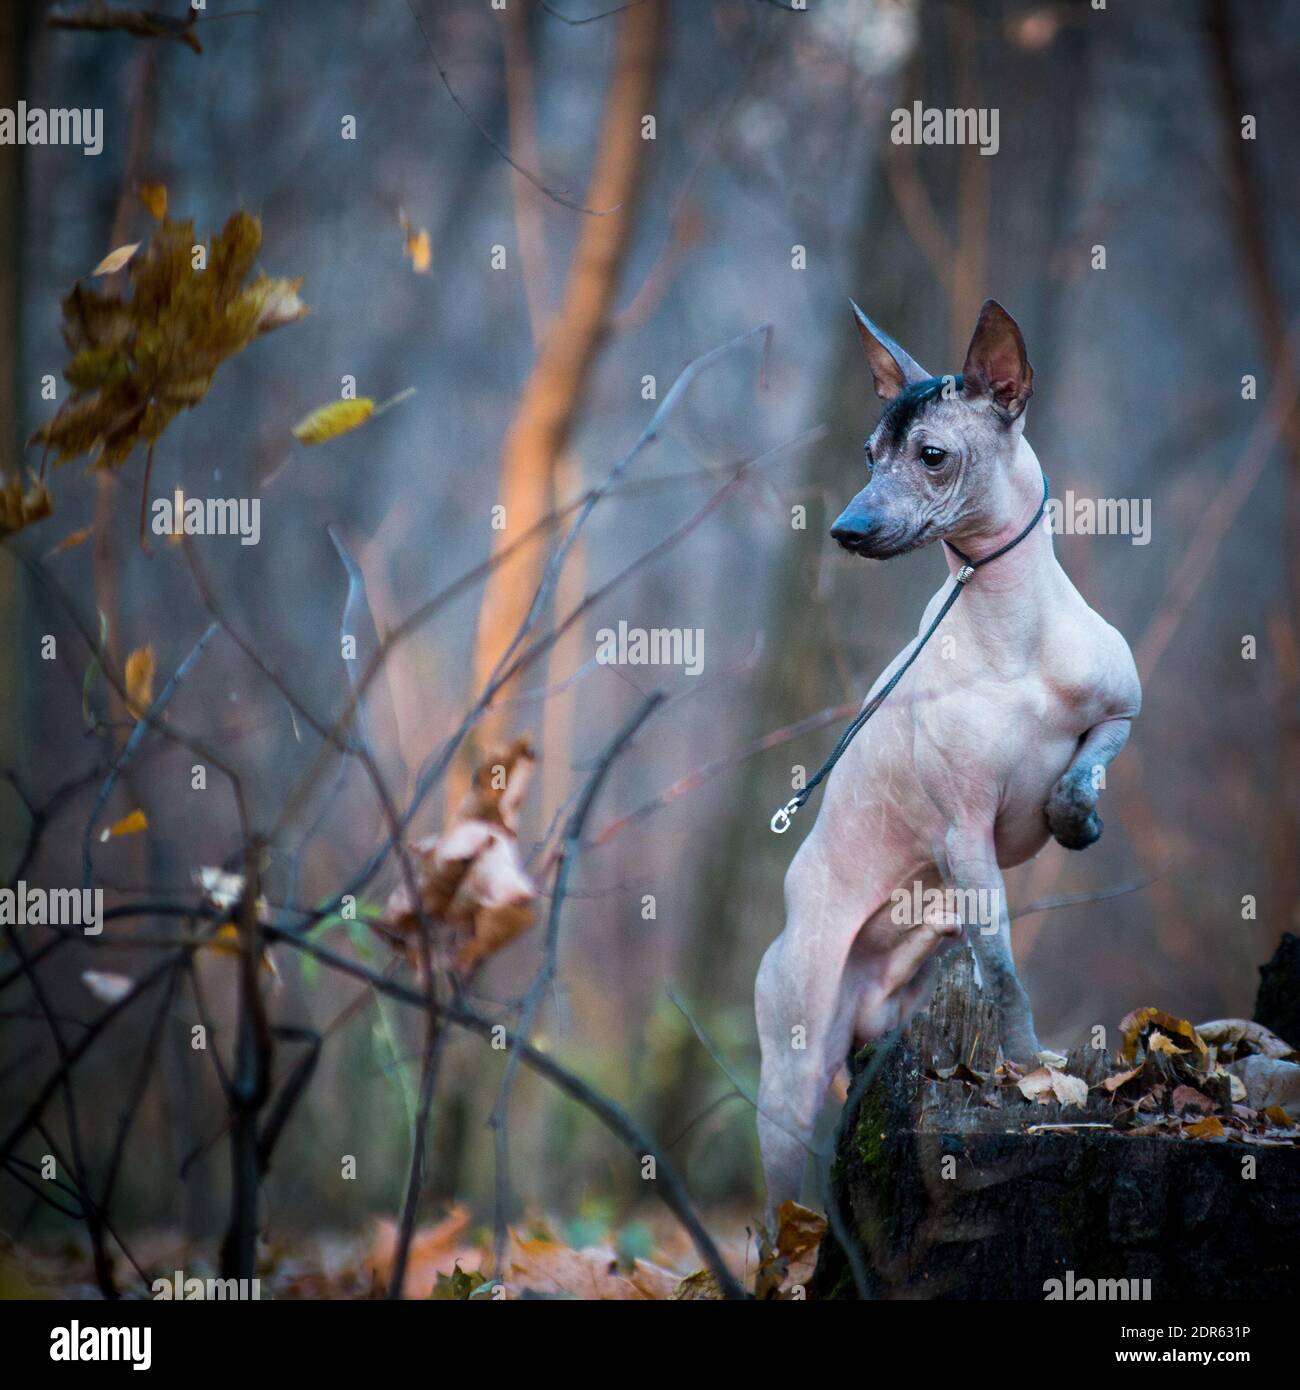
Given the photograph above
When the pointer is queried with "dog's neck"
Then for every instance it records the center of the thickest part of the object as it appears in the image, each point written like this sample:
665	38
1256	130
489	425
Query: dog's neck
1025	563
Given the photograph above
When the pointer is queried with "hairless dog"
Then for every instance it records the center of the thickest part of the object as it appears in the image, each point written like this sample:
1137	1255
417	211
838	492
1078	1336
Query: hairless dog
996	739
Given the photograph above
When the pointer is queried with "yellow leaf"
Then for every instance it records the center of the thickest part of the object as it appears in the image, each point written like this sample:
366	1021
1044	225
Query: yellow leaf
332	420
72	541
115	260
128	825
417	244
419	250
1208	1128
154	197
139	680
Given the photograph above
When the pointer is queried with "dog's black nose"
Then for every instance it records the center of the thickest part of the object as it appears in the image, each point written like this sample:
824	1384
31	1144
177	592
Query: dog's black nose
853	529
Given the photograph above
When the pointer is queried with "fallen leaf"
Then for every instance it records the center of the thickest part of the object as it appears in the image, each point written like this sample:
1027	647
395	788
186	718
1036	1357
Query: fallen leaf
1046	1084
1121	1078
139	681
799	1230
1189	1098
700	1286
329	421
1277	1116
799	1233
130	824
115	260
437	1252
154	198
457	1286
548	1267
1136	1027
106	987
1211	1127
1159	1042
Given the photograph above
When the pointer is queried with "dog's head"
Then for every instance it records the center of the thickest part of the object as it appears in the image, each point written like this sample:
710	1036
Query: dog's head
940	455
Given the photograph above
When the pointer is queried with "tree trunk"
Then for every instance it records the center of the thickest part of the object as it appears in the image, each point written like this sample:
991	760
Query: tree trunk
553	395
948	1195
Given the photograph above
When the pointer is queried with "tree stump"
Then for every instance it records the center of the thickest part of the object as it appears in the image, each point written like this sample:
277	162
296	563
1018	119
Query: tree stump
951	1186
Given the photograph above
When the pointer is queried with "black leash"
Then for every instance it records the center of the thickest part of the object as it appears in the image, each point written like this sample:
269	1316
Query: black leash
781	821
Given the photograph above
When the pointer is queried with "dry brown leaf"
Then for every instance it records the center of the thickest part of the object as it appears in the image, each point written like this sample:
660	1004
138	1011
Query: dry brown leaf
1211	1127
702	1286
1189	1098
470	877
434	1251
131	824
1046	1084
1121	1078
548	1267
139	680
799	1233
1136	1026
115	260
106	987
799	1230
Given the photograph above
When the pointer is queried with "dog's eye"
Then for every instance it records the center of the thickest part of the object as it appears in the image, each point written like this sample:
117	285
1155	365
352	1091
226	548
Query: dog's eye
932	456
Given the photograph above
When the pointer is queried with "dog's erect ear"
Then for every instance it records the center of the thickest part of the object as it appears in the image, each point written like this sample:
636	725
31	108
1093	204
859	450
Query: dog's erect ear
997	365
891	368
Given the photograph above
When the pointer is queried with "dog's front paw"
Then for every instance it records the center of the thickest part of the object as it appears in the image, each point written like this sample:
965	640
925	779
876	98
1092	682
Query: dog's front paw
1072	816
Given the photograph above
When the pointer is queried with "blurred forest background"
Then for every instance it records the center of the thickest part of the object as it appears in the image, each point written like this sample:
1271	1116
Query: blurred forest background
1120	127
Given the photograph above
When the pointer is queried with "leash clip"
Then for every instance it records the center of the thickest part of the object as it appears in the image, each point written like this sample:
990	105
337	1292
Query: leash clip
780	822
965	574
